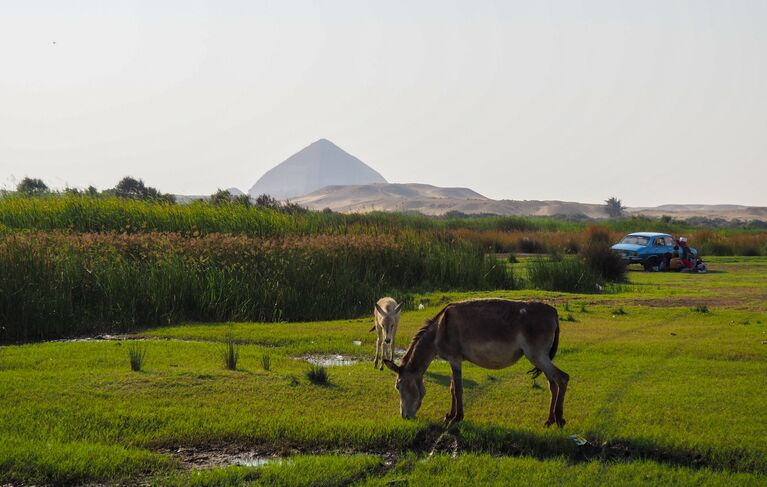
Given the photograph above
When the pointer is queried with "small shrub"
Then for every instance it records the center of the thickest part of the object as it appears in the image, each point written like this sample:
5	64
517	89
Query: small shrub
318	375
572	246
619	311
701	308
570	318
750	252
230	354
529	246
583	308
601	259
137	354
567	306
513	258
266	362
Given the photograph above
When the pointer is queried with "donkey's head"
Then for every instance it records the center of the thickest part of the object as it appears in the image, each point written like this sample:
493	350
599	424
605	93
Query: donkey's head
410	387
388	321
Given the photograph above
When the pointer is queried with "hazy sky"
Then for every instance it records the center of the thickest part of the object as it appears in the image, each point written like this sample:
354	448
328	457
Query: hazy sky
652	101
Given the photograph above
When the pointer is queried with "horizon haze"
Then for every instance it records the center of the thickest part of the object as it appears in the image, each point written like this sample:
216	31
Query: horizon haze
654	102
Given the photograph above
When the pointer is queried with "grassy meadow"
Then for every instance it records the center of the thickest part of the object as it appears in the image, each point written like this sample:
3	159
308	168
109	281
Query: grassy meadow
244	355
666	385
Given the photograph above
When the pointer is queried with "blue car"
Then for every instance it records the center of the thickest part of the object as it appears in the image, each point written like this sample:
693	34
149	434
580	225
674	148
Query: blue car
646	248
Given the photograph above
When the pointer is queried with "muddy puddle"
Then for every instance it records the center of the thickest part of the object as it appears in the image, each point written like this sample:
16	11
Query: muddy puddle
329	360
198	458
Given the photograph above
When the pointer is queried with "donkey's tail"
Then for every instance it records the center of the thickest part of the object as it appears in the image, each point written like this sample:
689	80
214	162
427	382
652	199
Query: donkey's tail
535	371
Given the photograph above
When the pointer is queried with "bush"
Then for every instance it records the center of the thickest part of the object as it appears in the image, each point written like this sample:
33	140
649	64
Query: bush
569	275
601	259
528	245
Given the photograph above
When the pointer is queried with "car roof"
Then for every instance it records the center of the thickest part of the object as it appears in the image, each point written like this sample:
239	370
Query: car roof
648	234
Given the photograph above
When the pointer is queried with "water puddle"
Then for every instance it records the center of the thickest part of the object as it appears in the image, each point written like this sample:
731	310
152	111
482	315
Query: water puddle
99	338
255	460
329	360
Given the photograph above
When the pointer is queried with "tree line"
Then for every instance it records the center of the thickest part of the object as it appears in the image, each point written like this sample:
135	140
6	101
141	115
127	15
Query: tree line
132	188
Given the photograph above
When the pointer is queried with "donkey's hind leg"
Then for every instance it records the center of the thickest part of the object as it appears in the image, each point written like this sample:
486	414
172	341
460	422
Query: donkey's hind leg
557	386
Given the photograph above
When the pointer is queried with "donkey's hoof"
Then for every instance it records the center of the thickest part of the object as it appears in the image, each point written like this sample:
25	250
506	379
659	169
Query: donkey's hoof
548	422
561	422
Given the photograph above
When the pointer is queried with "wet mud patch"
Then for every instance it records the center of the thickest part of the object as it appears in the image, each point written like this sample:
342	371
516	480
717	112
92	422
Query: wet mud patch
224	456
329	360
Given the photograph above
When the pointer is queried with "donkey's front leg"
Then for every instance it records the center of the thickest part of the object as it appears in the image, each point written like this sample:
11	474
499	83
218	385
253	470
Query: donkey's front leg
379	348
456	388
393	344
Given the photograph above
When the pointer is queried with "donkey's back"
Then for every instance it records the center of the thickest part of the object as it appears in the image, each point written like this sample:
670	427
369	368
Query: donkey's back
495	333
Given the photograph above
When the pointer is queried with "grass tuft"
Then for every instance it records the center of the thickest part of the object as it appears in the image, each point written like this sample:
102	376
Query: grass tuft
701	308
137	355
230	354
318	375
266	362
619	311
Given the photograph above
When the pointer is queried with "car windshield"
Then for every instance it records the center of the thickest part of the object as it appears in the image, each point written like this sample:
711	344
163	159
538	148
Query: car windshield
635	240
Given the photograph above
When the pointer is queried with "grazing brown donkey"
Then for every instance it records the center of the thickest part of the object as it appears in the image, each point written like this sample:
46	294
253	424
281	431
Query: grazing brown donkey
386	316
491	333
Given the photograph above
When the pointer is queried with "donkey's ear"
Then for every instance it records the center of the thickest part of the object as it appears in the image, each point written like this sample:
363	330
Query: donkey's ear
396	310
380	310
391	366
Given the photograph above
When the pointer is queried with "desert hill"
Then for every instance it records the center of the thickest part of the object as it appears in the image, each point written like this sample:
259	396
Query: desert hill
433	200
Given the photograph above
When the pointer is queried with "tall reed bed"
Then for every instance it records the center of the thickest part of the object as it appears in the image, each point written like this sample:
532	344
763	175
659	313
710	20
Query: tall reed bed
564	242
710	242
499	233
55	284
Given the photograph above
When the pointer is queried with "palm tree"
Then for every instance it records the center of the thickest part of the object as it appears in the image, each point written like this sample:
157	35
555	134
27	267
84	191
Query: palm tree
614	207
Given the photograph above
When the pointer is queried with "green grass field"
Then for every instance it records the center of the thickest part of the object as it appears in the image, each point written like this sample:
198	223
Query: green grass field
667	384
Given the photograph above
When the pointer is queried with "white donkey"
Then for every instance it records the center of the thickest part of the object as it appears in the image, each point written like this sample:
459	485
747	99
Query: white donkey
386	314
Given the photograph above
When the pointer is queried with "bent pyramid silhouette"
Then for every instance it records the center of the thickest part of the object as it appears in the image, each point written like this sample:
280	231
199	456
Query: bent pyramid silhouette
320	164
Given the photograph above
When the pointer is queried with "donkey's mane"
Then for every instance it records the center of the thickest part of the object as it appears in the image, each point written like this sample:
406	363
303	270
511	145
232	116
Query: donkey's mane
427	327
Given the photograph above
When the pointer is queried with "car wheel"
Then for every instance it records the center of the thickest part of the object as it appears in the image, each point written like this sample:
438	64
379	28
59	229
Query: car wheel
651	264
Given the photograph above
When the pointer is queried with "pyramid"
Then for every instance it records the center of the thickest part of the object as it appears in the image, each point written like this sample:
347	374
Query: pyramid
320	164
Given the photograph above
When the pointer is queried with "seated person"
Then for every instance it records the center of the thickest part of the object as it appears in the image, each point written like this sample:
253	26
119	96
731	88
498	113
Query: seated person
675	263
